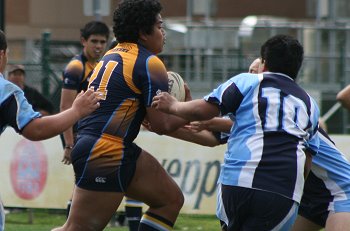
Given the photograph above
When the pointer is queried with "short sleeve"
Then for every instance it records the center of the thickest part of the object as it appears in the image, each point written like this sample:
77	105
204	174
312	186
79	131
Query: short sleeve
16	111
72	75
156	80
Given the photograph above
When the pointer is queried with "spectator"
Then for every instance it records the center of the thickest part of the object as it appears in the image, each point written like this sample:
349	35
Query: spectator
16	75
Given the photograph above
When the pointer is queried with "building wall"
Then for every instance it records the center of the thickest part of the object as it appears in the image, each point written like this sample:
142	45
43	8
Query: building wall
28	19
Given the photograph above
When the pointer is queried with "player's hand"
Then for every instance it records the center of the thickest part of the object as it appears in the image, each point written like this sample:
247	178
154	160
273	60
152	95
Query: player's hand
86	102
164	102
66	156
146	124
197	126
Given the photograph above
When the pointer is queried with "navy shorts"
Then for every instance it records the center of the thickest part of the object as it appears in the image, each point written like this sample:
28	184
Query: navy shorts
251	209
315	200
103	173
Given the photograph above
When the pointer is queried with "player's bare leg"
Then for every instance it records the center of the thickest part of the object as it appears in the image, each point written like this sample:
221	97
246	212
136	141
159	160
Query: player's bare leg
338	222
91	210
152	185
303	224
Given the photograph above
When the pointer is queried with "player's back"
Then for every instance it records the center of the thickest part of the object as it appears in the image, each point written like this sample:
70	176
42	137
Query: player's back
121	78
273	117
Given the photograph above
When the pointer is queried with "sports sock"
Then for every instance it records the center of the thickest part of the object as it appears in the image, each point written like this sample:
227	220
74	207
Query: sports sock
69	203
153	222
133	215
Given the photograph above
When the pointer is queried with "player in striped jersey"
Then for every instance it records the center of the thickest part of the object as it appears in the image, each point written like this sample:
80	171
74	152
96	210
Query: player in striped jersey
326	197
107	164
262	176
15	111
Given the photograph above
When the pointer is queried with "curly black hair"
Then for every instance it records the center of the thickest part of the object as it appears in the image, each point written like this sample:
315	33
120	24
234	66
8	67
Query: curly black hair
94	28
283	54
135	16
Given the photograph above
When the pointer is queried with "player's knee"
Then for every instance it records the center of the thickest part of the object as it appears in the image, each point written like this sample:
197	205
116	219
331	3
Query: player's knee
178	201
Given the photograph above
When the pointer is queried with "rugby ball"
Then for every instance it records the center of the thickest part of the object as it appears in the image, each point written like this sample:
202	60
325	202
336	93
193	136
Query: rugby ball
176	86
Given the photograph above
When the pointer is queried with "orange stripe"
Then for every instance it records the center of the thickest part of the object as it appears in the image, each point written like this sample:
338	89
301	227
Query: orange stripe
123	117
129	60
108	145
75	64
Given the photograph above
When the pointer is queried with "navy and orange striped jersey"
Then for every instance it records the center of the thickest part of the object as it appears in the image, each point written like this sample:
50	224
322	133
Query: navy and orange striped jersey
77	72
127	77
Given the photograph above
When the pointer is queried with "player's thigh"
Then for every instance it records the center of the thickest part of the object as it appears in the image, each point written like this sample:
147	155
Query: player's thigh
303	224
338	221
152	184
92	209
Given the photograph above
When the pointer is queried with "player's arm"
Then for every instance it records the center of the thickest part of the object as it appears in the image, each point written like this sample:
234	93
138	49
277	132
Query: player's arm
71	84
344	97
204	137
67	99
157	81
217	124
49	126
198	109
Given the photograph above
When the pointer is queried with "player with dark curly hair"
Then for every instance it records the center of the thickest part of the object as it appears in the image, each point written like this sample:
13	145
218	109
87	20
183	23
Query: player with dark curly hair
107	164
261	180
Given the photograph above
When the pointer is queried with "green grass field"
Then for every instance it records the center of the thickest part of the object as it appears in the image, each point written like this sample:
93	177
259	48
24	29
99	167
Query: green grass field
44	220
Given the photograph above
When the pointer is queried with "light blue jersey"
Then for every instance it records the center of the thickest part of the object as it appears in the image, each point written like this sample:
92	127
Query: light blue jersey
14	107
15	111
327	188
274	118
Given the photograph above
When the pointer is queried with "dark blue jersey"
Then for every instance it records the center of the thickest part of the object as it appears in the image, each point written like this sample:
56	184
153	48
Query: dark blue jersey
127	77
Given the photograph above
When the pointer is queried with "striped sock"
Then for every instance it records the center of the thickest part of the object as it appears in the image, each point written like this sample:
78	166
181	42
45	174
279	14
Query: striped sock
153	222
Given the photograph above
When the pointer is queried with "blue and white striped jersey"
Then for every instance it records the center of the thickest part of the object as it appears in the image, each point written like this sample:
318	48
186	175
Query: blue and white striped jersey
15	110
274	119
329	179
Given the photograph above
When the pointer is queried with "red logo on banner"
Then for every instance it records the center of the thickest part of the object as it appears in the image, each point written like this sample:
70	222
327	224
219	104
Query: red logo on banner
28	169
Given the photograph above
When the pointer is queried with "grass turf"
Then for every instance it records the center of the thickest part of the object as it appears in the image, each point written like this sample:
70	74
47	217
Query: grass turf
44	220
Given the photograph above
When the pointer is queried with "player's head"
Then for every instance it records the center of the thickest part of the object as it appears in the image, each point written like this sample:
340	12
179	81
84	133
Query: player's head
283	54
3	51
256	67
94	28
94	37
139	21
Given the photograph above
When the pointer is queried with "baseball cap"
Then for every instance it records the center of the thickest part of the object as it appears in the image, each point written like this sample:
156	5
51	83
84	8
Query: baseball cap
13	68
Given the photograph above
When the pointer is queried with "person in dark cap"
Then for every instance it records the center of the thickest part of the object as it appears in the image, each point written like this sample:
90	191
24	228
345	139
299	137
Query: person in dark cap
16	75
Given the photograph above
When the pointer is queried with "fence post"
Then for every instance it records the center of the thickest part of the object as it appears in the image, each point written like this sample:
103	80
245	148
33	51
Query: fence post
45	53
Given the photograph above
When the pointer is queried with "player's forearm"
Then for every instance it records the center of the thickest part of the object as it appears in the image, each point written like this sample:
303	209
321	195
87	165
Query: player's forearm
194	110
219	124
344	97
167	124
49	126
204	137
68	137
